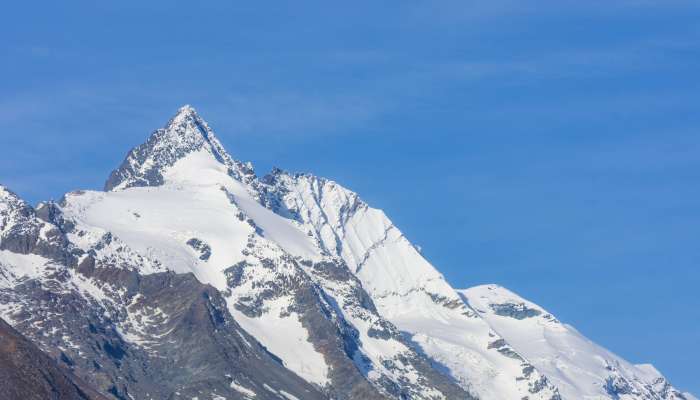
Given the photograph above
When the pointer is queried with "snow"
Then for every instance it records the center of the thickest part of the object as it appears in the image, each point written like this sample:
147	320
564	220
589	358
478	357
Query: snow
88	288
199	200
364	237
286	338
379	254
169	217
15	267
8	199
288	396
268	388
141	323
242	390
406	289
413	295
461	345
387	356
201	170
649	371
575	364
4	192
13	211
281	393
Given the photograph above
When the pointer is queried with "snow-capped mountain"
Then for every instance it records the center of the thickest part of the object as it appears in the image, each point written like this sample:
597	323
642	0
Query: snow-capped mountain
190	277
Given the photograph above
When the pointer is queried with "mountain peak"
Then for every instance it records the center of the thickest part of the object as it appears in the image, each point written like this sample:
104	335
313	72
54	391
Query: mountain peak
13	211
185	125
188	114
186	109
8	198
4	192
185	133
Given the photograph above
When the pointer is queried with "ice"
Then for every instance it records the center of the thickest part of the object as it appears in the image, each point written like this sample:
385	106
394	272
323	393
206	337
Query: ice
286	338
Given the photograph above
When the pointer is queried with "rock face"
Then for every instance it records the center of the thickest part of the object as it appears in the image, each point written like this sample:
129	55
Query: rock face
28	374
190	277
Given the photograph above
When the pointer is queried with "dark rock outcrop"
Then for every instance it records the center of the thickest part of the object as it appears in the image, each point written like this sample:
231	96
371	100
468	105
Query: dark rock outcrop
26	373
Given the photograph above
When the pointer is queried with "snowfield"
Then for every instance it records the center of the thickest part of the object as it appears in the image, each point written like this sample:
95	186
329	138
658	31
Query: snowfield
579	367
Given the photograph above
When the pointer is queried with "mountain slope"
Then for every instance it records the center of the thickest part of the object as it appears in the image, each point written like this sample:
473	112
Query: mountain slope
180	202
409	292
579	367
406	289
28	374
155	336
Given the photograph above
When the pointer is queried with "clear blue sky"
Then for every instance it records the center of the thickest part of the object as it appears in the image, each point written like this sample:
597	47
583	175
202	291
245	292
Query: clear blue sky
552	147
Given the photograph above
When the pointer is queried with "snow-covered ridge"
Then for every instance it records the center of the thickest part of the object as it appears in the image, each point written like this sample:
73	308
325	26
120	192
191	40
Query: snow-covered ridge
345	226
579	367
405	288
412	294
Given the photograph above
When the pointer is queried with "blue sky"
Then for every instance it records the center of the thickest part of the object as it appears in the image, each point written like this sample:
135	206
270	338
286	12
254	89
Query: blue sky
552	147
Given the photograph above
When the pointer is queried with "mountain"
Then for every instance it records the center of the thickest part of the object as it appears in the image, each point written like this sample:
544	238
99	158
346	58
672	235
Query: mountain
28	374
191	277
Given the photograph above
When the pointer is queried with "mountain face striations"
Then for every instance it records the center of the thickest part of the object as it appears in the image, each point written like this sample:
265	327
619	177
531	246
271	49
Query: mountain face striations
190	277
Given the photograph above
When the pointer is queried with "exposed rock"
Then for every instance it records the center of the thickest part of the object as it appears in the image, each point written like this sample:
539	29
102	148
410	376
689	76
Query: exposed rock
513	310
26	373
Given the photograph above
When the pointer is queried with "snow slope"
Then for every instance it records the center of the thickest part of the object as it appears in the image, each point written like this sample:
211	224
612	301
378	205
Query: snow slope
197	201
580	368
406	289
493	356
138	336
